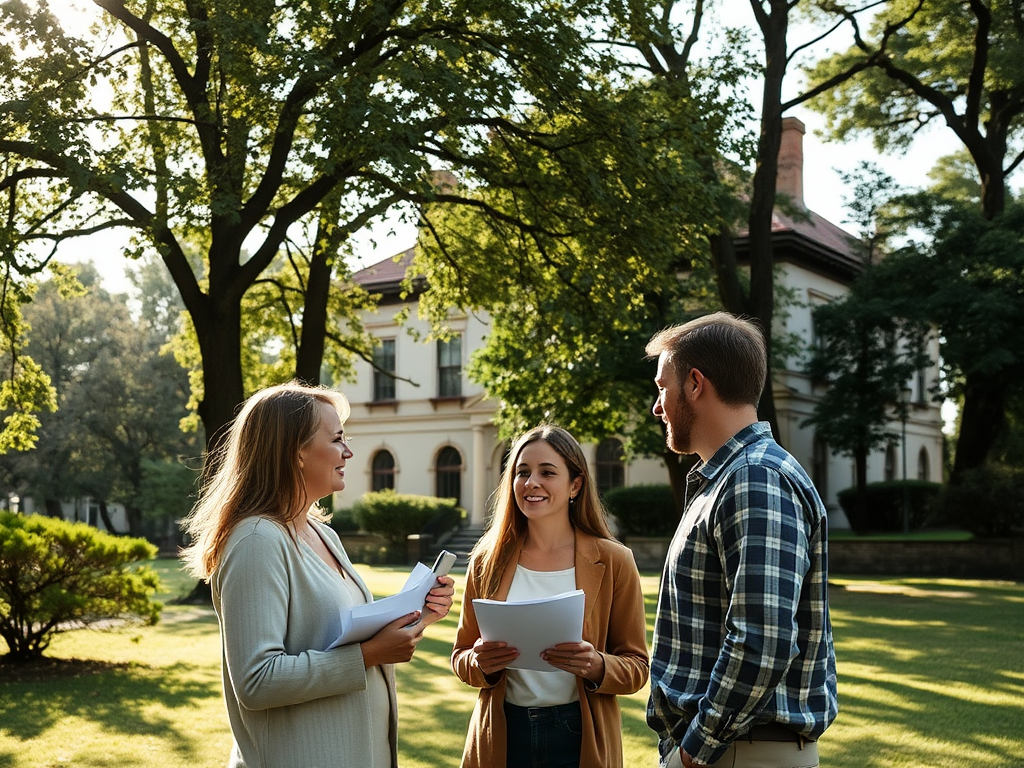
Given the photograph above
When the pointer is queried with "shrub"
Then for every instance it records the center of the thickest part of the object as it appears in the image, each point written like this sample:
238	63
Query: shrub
55	574
643	510
344	521
884	505
395	516
987	501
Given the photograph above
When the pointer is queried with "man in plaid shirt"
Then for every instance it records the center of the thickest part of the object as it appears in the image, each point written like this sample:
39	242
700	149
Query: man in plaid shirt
743	665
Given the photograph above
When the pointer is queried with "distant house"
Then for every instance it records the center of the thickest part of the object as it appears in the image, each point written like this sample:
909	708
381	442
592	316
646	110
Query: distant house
79	510
420	426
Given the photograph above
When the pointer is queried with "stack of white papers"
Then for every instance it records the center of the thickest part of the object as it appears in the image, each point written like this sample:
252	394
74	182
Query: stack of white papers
532	626
364	621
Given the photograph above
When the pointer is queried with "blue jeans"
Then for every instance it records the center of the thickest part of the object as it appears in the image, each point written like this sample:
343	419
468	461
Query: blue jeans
543	737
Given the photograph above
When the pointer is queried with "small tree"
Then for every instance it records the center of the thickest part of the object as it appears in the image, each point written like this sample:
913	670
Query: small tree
55	574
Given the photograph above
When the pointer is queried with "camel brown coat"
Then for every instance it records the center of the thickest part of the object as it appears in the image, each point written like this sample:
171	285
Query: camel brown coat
613	622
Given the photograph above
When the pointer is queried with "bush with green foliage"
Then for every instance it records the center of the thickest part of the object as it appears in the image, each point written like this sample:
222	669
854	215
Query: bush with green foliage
55	575
884	507
988	501
344	521
643	510
396	516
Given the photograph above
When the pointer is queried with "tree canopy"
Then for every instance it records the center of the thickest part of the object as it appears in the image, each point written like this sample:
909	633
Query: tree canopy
227	135
956	62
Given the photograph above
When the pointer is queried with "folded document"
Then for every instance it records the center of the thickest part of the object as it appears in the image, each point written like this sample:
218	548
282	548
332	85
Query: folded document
364	621
532	626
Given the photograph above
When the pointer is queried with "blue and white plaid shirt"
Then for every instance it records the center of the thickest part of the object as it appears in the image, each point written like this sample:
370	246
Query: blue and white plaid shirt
743	636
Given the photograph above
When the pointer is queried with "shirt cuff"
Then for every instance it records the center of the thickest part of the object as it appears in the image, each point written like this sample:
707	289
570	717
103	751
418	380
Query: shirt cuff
702	746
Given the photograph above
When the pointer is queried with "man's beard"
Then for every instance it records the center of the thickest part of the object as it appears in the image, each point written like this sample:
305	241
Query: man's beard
679	433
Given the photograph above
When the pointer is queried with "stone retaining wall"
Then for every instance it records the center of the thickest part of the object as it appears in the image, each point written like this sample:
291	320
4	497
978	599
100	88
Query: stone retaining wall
981	559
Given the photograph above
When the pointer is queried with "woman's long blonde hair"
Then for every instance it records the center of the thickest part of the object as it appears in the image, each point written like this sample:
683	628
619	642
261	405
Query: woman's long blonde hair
257	468
508	523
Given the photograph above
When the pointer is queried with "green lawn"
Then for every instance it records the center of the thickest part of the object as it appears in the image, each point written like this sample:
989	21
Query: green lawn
931	675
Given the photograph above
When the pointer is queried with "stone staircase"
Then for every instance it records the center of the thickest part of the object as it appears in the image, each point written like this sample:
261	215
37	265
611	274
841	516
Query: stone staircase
461	542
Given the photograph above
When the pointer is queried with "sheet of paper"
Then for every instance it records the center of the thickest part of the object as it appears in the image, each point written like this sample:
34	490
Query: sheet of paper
364	621
532	626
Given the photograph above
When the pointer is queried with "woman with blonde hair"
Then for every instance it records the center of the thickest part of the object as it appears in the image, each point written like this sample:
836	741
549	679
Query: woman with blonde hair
549	535
280	579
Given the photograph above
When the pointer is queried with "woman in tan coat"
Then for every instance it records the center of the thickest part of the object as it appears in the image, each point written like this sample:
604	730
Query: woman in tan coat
549	535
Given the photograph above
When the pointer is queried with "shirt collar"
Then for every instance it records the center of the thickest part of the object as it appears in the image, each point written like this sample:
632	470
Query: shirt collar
733	446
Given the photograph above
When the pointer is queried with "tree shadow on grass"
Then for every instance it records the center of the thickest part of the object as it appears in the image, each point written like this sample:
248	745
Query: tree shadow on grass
926	674
118	699
436	707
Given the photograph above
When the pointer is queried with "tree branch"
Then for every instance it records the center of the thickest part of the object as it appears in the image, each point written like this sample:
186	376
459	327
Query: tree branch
12	179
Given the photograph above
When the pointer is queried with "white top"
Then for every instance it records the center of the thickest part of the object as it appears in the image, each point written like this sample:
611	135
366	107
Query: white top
527	687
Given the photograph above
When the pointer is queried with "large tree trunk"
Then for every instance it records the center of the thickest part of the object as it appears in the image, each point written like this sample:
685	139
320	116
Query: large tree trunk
53	508
134	517
983	414
774	27
981	421
220	345
310	355
860	462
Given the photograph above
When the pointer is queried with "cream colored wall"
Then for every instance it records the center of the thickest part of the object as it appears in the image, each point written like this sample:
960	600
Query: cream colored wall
418	425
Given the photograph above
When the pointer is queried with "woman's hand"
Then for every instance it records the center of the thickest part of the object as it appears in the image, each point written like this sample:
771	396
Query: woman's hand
439	600
492	656
581	659
394	643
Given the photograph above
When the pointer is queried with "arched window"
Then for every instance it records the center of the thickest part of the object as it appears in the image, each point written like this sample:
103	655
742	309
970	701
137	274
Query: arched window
611	471
819	467
890	462
448	469
383	468
924	470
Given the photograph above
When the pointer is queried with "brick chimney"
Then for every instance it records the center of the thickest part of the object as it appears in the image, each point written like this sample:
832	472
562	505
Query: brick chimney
444	182
790	179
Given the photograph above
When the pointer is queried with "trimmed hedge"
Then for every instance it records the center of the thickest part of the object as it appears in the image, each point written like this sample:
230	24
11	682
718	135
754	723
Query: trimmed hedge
643	510
396	516
988	501
884	512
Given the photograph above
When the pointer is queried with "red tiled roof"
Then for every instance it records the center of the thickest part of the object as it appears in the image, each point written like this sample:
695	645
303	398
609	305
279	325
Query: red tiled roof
384	274
829	247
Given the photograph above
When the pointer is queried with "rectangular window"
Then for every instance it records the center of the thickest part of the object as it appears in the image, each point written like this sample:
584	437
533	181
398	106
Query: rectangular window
449	367
920	389
384	370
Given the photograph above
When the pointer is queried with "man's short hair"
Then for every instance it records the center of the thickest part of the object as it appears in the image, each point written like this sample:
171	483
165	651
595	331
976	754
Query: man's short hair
728	350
